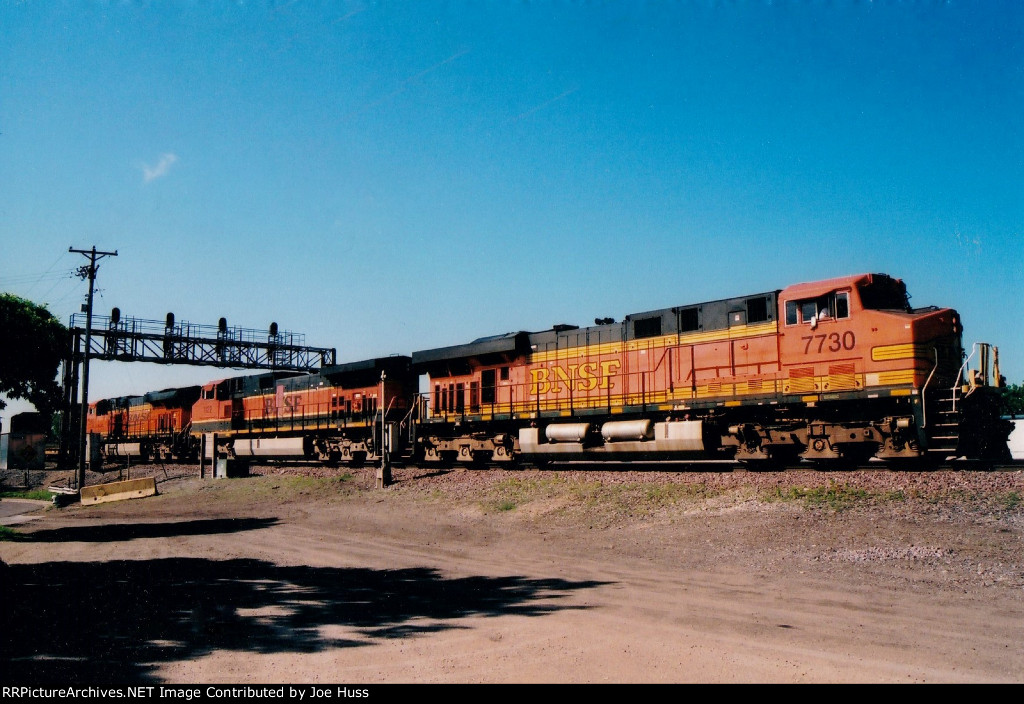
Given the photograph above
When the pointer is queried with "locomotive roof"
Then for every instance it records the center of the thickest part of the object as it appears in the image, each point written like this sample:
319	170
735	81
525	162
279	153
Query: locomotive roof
810	289
496	348
368	371
394	362
104	405
255	382
184	394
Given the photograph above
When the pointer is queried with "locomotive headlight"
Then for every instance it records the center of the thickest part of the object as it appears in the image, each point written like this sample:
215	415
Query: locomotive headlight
903	423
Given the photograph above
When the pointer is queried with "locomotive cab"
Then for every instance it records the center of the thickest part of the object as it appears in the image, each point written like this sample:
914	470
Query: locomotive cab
860	332
877	376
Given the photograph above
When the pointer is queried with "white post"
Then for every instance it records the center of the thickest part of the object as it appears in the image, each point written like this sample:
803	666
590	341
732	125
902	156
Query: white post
384	473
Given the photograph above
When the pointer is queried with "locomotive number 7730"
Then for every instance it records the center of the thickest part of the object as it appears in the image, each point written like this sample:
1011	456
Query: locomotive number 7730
836	342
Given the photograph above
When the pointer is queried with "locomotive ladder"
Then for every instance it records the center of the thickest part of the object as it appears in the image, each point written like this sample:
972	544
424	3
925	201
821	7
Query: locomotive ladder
943	422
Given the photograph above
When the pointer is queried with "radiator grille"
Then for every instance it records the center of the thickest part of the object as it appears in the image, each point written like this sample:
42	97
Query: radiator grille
801	380
841	377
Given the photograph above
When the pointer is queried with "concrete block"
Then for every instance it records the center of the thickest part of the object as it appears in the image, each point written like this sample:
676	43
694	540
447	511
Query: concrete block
117	491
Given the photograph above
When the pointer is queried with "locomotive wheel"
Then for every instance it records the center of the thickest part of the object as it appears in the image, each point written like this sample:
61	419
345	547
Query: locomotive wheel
778	459
858	453
925	463
759	465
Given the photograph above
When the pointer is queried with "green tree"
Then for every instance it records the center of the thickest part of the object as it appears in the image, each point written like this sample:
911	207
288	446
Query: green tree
1013	399
32	345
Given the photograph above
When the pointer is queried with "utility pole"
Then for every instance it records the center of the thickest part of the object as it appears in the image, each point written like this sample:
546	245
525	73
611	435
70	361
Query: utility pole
87	271
384	472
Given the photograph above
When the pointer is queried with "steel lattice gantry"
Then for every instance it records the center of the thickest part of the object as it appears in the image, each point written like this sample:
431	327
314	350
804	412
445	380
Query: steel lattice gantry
113	338
167	342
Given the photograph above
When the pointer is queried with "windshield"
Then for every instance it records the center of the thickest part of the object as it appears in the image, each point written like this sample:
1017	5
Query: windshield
885	293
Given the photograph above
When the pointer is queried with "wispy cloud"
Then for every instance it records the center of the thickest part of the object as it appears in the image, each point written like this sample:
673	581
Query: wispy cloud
402	85
151	173
546	103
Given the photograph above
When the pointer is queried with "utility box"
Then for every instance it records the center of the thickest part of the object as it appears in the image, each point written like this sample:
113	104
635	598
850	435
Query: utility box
227	468
1016	439
393	439
23	451
94	451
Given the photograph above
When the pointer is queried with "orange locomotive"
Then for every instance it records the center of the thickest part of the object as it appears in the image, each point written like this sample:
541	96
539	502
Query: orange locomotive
331	416
836	370
156	426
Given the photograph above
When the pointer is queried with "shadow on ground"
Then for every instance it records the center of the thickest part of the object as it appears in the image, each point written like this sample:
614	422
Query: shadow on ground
115	622
121	532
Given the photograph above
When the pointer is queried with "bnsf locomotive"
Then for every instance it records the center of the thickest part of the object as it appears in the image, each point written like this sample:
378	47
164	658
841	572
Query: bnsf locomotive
155	426
842	370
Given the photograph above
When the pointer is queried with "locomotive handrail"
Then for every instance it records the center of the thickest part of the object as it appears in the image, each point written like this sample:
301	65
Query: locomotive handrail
924	389
413	407
960	373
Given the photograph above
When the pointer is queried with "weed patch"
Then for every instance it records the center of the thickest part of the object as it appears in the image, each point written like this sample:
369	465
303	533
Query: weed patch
510	493
835	497
1009	501
610	499
37	494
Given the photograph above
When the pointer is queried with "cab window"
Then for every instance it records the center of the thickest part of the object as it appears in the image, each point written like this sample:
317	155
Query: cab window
835	305
791	315
808	309
842	305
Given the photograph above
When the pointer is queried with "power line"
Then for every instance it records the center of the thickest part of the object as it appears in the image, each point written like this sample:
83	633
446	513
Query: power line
36	278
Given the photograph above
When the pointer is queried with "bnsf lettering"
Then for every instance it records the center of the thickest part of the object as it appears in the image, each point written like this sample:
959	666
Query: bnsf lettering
832	342
574	377
291	403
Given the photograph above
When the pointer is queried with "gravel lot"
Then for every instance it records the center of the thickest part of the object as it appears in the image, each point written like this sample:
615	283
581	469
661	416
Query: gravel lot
562	575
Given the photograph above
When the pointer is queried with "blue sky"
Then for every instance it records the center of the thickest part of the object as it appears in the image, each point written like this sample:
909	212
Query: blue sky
385	177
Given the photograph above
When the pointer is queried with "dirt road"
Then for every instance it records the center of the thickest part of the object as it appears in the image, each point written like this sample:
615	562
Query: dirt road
495	577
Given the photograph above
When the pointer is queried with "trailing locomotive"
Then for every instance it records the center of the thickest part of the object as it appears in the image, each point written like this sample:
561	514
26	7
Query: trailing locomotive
836	371
331	416
155	426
